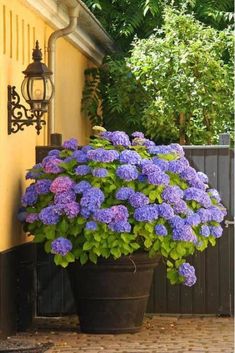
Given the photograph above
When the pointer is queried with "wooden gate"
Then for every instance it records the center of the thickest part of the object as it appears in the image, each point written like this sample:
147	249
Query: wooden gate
213	292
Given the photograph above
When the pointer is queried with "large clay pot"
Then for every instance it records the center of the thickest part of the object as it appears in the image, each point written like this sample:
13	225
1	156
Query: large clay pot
112	295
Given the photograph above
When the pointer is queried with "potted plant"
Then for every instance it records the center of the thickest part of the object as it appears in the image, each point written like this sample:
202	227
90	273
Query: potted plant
110	210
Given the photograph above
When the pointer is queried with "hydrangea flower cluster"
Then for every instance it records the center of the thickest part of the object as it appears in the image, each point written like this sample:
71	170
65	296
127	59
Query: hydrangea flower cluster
120	194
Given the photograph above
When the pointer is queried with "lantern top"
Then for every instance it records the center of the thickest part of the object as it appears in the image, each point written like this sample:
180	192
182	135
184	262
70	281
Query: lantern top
37	68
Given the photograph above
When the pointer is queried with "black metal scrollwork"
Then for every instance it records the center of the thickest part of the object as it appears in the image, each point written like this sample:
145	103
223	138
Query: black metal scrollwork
19	116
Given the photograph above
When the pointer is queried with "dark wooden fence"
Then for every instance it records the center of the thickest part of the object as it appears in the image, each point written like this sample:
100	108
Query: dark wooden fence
213	293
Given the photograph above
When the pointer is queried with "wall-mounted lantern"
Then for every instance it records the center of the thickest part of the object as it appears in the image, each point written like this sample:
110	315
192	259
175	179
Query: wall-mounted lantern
37	89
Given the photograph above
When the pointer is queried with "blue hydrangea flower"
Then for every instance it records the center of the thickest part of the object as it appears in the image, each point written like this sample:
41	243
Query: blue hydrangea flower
99	172
92	199
61	246
49	215
71	144
61	183
188	272
87	148
124	193
120	213
31	217
184	233
178	166
102	155
130	157
127	172
43	186
81	187
177	222
83	170
175	147
158	179
138	134
65	197
198	195
180	207
161	163
30	196
149	168
205	230
120	227
138	199
160	229
165	211
214	194
193	220
142	178
159	149
104	215
54	153
204	214
80	156
197	183
120	138
172	194
217	214
203	177
189	174
146	213
216	231
85	212
91	225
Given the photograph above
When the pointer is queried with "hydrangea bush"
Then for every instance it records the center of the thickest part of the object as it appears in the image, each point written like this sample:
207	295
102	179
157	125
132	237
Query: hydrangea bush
119	195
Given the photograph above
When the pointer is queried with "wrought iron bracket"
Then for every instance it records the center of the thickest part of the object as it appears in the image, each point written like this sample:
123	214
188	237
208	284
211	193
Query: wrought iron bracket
19	116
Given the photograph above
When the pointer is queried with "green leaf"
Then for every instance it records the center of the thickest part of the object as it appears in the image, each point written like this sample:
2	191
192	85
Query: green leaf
92	257
83	258
147	243
87	245
69	257
50	231
62	227
116	252
47	246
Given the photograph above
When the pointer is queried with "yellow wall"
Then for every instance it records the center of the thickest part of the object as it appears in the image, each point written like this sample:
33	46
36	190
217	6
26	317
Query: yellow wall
19	28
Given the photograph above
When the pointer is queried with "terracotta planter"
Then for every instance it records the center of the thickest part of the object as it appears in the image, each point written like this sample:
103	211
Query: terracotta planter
112	296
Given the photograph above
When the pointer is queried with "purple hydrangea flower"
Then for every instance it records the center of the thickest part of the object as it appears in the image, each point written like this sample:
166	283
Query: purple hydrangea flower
120	213
130	157
30	196
204	214
158	178
138	134
165	211
61	246
146	213
54	153
49	215
149	168
203	177
205	230
197	183
175	147
83	170
188	272
104	215
51	165
148	143
138	199
61	183
102	155
81	187
127	172
71	209
31	217
71	144
198	195
160	229
120	138
80	156
87	148
124	193
217	215
177	222
65	197
189	174
178	166
159	149
193	220
43	186
92	199
161	163
172	194
91	225
85	212
216	231
120	227
214	194
35	172
180	207
184	233
99	172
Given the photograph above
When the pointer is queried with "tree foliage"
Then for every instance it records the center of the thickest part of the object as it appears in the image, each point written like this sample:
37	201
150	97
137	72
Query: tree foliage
176	83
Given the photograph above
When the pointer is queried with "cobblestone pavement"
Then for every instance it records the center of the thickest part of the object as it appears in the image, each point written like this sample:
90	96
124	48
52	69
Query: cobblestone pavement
160	334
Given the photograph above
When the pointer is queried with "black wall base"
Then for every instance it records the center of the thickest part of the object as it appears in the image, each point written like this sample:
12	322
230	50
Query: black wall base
16	289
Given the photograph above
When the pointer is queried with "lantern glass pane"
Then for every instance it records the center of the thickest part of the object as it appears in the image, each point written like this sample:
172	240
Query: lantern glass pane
36	88
49	88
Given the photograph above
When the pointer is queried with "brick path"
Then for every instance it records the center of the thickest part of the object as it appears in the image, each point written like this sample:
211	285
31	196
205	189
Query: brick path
160	334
